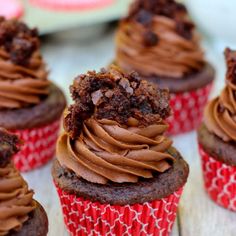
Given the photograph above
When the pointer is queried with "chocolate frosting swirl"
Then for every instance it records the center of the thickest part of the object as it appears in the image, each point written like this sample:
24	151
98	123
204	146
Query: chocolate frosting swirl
106	151
220	113
23	74
16	200
22	86
154	46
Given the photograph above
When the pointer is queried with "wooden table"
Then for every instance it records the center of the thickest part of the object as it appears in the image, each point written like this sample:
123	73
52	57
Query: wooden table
197	215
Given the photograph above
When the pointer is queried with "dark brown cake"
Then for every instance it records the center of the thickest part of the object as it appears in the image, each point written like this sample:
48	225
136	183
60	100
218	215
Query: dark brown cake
36	225
188	83
216	147
160	186
44	113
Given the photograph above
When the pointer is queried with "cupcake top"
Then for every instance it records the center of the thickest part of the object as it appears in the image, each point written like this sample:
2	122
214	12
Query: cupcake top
158	39
220	113
16	200
115	129
23	74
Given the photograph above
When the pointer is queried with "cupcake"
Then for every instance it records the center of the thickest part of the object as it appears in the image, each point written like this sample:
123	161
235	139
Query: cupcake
20	214
159	41
71	5
30	105
11	9
217	141
116	172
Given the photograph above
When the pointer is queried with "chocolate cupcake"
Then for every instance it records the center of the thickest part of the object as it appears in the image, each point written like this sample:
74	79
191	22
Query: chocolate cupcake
20	214
217	141
30	105
114	164
159	41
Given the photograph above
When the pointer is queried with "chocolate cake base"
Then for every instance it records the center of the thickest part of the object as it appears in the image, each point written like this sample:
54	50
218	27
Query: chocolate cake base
42	114
146	190
216	147
36	225
188	83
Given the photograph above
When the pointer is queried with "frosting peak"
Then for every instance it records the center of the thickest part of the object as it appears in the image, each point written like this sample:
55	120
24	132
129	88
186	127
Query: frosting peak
160	34
115	129
220	113
23	74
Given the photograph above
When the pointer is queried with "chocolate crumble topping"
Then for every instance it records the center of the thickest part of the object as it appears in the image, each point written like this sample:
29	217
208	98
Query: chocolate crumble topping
150	39
9	145
111	94
144	10
230	56
18	40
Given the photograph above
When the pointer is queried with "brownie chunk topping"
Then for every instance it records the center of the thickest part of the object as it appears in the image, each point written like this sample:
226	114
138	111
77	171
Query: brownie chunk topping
230	57
144	10
18	40
111	94
9	145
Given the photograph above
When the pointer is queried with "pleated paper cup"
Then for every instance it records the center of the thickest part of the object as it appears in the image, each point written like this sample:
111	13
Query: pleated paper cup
187	108
219	180
83	217
39	145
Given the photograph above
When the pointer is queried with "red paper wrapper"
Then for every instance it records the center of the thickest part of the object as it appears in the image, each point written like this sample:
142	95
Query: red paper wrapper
72	5
187	110
11	9
38	148
220	181
83	217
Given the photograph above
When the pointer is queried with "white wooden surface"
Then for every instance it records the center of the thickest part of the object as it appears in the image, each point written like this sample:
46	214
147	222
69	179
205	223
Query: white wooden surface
197	215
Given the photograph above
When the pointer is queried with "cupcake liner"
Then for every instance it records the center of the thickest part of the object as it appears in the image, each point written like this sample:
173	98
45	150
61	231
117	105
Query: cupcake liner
11	9
71	5
219	180
187	110
83	217
38	147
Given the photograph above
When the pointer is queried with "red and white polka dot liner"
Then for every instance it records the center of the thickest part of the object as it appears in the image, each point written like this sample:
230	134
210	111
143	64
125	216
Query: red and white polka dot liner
187	110
11	9
71	5
220	181
38	148
83	217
